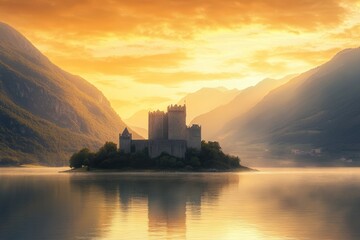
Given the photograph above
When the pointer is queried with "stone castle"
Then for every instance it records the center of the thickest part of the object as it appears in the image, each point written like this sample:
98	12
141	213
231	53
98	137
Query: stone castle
167	133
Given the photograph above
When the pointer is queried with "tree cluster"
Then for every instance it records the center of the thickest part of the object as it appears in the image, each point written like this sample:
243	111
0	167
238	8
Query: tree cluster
8	162
109	157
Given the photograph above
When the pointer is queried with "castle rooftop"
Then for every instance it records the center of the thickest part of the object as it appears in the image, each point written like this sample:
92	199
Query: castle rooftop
126	133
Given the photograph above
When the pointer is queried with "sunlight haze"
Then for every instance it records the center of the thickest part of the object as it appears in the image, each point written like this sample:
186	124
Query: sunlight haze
148	54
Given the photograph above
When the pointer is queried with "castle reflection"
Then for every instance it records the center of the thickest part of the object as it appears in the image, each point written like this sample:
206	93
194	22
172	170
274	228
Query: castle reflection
169	196
278	205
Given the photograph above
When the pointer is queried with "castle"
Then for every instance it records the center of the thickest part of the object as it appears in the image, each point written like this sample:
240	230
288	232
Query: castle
167	133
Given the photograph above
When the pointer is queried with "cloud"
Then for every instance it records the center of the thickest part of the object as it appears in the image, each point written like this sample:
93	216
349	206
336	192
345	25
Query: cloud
58	47
311	56
107	83
121	65
167	19
266	66
168	46
278	59
350	33
147	69
67	27
154	100
122	104
175	78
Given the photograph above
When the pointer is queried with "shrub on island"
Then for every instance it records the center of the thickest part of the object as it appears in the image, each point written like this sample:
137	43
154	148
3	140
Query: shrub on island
109	157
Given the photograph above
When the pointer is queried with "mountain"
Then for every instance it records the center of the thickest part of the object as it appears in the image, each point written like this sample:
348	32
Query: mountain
143	133
205	100
313	118
45	112
213	121
139	119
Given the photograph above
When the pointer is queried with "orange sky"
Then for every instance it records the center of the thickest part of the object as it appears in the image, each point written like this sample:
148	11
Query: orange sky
149	53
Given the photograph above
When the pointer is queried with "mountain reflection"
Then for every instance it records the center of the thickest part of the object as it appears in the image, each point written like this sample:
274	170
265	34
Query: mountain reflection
321	205
47	207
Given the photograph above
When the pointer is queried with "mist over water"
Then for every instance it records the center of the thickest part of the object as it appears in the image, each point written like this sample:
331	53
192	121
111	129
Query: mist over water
271	204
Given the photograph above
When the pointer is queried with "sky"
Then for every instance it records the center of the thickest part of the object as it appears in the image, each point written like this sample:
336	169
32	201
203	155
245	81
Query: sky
146	54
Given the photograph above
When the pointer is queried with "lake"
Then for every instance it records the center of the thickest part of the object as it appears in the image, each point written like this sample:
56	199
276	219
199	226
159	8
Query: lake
40	203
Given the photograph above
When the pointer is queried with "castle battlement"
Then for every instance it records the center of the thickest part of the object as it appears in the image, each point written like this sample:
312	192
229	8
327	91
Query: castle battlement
176	108
157	112
195	126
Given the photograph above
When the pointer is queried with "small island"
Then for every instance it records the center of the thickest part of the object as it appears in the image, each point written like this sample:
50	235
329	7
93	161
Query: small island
209	159
171	146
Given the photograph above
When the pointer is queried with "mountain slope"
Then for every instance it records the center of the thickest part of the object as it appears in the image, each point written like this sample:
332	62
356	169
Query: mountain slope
213	121
205	100
319	110
139	119
44	110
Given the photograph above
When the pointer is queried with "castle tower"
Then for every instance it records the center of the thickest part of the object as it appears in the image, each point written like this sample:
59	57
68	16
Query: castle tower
157	125
125	141
194	137
176	122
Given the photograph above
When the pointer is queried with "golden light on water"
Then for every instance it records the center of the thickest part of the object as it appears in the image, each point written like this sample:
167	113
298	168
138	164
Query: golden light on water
148	218
272	204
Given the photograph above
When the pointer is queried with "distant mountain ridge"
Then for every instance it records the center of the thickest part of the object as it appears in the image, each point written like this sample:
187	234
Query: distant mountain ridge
212	122
198	102
205	100
45	112
313	117
139	119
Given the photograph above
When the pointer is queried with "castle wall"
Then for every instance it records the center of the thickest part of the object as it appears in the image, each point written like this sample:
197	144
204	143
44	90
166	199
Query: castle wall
157	125
166	126
167	133
139	145
194	137
175	148
176	122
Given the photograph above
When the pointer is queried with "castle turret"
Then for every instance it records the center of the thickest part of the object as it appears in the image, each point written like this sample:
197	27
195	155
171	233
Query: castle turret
125	141
194	137
176	122
157	125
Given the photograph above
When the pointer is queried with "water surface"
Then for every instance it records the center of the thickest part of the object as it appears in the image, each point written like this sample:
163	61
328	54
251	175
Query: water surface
272	204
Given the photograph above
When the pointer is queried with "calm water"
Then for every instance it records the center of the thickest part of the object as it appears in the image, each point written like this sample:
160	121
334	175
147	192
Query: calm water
273	204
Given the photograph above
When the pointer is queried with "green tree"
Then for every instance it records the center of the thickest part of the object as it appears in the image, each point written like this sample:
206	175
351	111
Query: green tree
108	150
210	153
141	160
166	161
80	158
